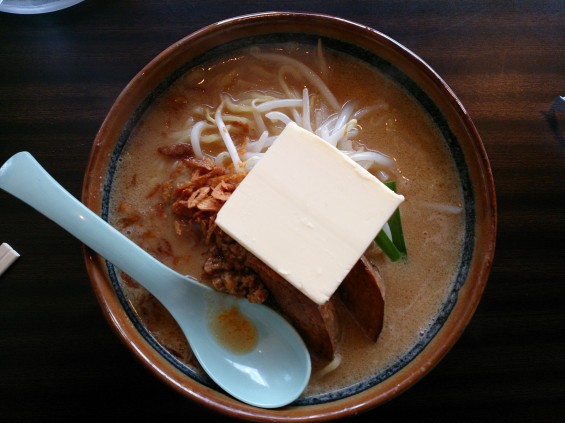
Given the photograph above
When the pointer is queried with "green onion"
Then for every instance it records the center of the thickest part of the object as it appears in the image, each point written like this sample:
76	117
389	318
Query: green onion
396	247
388	247
396	224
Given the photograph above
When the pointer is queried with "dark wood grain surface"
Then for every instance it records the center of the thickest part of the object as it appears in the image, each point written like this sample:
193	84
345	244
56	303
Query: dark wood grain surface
61	72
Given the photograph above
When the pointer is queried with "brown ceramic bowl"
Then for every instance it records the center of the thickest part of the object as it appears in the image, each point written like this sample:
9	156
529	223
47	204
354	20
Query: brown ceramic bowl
424	85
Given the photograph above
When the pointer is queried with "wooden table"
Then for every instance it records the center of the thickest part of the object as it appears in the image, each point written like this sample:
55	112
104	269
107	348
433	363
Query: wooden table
61	72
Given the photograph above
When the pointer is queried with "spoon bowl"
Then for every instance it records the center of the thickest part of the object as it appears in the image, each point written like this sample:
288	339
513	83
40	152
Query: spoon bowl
271	373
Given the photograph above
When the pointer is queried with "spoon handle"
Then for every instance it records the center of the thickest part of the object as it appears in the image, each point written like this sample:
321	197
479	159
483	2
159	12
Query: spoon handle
273	374
23	177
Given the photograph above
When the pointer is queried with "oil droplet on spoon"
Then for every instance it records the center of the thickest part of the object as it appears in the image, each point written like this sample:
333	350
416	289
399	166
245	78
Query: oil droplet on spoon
233	330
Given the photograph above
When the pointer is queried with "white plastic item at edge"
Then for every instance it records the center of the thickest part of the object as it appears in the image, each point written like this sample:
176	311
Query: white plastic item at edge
28	7
7	256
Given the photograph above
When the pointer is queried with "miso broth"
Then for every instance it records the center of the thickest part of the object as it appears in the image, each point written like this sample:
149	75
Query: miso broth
397	126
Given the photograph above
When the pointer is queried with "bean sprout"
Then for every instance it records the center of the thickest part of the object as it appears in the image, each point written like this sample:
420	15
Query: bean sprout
258	117
308	73
263	141
277	104
227	138
371	156
274	116
306	110
330	367
195	138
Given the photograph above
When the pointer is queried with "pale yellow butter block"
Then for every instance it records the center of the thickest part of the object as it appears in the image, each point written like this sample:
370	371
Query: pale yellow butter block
308	212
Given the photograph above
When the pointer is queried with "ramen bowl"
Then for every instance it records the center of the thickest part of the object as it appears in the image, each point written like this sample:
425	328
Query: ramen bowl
431	324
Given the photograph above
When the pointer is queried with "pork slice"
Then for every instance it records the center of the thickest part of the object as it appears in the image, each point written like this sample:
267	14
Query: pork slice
362	293
318	324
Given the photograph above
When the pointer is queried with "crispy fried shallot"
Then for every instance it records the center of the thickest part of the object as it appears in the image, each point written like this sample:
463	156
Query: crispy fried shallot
196	202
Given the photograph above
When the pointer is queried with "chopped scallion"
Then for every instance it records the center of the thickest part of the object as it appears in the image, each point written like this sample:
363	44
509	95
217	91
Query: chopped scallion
396	224
388	247
396	247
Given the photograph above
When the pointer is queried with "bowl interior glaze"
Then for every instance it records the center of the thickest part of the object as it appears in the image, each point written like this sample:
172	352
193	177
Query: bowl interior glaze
400	65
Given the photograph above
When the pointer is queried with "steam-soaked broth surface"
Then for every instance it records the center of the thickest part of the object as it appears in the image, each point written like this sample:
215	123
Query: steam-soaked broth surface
432	215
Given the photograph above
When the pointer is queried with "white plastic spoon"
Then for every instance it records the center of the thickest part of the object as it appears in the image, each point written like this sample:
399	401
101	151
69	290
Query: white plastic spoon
272	375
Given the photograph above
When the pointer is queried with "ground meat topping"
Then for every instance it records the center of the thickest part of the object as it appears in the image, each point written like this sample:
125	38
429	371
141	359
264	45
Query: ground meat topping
197	202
